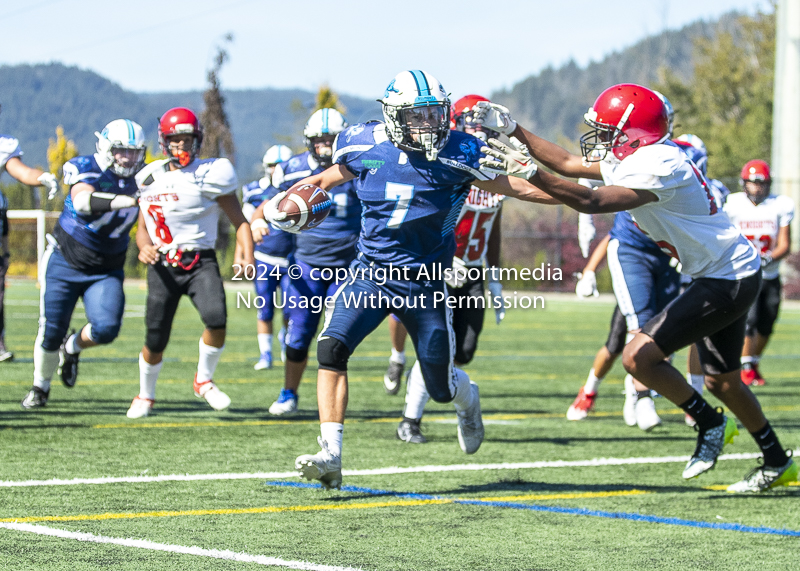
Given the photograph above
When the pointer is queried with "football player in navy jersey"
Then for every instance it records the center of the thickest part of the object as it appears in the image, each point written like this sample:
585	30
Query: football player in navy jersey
86	254
329	246
11	162
412	175
272	253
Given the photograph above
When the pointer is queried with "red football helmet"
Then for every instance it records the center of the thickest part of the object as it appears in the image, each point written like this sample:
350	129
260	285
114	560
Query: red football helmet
461	118
180	121
756	180
624	118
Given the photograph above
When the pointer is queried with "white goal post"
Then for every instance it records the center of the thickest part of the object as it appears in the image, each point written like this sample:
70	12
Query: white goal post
40	216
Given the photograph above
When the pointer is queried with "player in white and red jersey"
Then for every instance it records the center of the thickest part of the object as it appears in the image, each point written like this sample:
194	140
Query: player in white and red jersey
670	201
764	219
181	200
477	233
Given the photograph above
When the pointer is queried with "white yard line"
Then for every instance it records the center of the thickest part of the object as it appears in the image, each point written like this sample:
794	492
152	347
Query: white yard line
152	546
374	472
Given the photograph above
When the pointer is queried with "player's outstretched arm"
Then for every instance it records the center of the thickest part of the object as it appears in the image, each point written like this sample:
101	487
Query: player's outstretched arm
516	188
244	238
32	176
87	200
331	177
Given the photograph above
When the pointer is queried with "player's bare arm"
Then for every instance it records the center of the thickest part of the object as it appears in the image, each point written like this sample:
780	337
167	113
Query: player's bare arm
782	244
331	177
516	188
87	200
148	252
244	239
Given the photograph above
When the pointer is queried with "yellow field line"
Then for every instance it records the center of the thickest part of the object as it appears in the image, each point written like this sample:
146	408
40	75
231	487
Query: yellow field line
262	510
575	496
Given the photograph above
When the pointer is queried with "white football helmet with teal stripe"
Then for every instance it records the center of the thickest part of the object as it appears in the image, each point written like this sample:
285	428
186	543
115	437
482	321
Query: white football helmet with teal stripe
276	154
417	113
321	130
125	139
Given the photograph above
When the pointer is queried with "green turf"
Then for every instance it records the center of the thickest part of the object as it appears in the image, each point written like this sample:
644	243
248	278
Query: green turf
529	370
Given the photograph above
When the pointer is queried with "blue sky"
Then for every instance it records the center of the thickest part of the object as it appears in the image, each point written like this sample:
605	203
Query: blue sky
354	46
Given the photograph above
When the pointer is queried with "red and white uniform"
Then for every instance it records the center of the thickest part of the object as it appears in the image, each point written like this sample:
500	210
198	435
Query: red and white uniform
474	225
760	223
180	206
685	221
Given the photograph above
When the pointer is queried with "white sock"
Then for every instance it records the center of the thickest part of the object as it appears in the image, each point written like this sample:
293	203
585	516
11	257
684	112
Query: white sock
207	364
398	357
592	383
463	398
71	346
332	435
416	394
697	382
264	342
44	366
748	359
148	375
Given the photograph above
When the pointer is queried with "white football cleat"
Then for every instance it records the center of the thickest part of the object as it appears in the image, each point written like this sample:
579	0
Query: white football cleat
470	424
629	408
646	416
264	362
213	396
286	405
322	466
140	407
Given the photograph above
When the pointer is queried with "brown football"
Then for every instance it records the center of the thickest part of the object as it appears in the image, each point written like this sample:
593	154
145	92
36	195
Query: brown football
307	205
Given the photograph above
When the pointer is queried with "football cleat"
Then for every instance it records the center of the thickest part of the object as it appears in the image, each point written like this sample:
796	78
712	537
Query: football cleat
322	466
36	398
6	355
68	363
629	408
286	405
470	424
265	362
393	378
751	376
763	478
580	408
409	432
213	396
709	446
646	416
282	341
140	407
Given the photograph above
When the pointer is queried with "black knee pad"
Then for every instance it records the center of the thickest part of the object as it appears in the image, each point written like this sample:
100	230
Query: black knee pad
296	355
332	354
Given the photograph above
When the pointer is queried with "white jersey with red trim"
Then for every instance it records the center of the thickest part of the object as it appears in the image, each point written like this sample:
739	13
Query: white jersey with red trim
9	148
685	221
760	223
180	206
474	225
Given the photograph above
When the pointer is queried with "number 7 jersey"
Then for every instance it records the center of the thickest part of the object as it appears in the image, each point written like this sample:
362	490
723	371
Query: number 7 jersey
409	204
180	206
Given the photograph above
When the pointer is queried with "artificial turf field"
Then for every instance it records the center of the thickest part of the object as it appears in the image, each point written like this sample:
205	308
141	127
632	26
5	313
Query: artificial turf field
541	493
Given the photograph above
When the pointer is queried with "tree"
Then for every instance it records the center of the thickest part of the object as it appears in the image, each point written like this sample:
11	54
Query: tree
728	104
217	138
59	151
327	98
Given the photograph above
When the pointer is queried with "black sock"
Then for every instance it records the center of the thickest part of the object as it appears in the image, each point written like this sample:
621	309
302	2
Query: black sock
643	394
412	420
767	440
702	412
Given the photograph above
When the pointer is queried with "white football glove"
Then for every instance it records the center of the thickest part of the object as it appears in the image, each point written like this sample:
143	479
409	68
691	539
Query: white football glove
494	117
496	289
502	159
458	275
277	218
587	285
50	181
586	232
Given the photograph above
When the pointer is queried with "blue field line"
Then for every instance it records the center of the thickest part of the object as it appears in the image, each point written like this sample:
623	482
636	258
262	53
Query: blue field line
561	510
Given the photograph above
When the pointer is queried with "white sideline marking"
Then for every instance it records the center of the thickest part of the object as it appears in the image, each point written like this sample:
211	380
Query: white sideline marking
375	471
144	544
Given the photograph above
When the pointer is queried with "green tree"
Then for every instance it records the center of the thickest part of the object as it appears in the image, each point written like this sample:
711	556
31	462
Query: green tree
728	103
327	98
59	151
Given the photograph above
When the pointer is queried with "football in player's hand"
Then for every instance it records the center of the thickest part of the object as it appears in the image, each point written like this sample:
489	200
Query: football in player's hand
306	205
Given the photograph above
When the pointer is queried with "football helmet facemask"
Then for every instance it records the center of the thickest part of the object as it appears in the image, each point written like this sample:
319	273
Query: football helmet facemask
462	118
756	180
176	122
321	131
121	147
416	110
624	118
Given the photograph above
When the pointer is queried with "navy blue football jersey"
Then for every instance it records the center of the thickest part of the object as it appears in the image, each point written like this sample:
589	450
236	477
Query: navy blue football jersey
105	233
410	205
626	231
332	244
278	243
